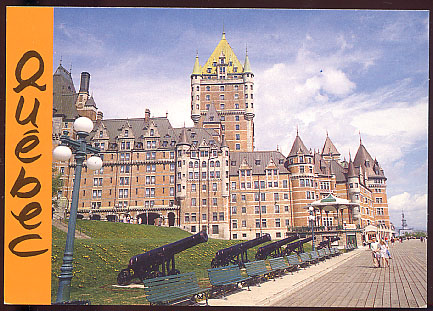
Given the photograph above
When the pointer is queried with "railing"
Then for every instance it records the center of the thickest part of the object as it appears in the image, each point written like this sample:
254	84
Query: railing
306	229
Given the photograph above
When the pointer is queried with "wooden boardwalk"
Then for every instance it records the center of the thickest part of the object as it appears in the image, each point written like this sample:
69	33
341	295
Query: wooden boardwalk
357	283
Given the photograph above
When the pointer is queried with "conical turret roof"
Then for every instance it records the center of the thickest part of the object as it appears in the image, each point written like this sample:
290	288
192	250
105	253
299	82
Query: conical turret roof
247	66
197	69
183	139
298	147
222	47
351	170
329	148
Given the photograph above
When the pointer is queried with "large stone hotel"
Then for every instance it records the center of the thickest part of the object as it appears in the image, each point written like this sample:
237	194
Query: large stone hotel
210	177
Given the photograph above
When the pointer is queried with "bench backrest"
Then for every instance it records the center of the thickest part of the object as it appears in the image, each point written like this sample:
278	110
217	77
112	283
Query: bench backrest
304	257
314	255
171	285
321	253
293	260
255	268
278	263
222	274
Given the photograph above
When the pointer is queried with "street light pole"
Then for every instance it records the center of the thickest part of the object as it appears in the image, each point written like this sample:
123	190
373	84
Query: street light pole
311	218
83	126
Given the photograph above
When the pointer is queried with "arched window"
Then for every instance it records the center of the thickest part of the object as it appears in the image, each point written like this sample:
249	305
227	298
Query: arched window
196	164
217	163
190	164
211	164
203	164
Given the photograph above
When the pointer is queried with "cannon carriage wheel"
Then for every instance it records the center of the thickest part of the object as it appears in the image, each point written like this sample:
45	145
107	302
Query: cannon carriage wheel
124	277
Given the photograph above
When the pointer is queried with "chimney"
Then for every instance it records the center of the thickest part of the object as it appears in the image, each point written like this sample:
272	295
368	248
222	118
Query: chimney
146	114
85	81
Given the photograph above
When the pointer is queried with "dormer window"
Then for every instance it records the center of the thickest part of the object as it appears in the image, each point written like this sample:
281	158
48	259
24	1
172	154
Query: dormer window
211	118
209	70
221	87
126	133
235	69
230	63
214	64
152	132
367	163
257	162
101	133
222	60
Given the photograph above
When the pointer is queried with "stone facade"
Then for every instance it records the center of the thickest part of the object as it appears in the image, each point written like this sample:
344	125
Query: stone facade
209	177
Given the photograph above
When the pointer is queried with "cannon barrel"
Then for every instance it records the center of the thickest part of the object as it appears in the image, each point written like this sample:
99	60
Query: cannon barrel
264	251
296	245
230	254
148	264
169	250
236	249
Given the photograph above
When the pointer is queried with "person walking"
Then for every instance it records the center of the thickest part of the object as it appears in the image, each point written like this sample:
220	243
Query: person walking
375	252
384	253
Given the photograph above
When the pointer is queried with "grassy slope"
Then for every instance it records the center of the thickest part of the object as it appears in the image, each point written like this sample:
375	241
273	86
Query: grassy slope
97	261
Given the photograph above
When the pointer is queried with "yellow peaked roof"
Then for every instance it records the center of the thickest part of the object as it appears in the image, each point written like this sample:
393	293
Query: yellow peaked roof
222	47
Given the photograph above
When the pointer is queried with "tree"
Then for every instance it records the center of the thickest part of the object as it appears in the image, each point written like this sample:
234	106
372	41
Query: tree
57	184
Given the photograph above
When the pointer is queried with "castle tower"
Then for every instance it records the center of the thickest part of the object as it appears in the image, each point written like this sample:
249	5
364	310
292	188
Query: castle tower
300	163
354	187
223	82
329	151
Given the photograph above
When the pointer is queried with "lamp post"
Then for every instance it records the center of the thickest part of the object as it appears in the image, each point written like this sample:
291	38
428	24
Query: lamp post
83	126
311	218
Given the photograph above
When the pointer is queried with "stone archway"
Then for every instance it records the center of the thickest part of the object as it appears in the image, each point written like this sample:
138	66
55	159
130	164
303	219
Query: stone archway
111	218
143	218
151	218
171	219
80	216
95	217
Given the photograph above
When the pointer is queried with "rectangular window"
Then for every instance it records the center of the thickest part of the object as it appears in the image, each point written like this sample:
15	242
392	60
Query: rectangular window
244	209
221	214
234	210
276	209
264	209
214	229
256	209
186	217
244	223
204	202
215	216
234	224
215	201
277	223
234	198
263	223
284	183
258	223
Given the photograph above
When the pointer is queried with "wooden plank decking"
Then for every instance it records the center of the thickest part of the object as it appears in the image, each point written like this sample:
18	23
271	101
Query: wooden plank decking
357	283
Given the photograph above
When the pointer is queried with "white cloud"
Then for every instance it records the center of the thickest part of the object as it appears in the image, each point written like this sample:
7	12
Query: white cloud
414	207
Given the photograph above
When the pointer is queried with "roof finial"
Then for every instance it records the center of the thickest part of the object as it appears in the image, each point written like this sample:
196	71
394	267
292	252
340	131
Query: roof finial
297	131
224	33
60	60
350	157
278	149
196	53
360	140
70	68
246	49
326	132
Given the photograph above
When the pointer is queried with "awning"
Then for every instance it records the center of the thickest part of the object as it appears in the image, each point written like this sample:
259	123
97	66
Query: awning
331	203
370	228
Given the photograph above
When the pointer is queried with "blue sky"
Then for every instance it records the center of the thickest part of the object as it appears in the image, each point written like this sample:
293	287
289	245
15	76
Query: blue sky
341	71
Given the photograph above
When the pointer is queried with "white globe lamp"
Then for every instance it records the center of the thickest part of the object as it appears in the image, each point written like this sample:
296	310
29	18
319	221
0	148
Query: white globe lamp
311	208
311	217
83	124
62	153
94	163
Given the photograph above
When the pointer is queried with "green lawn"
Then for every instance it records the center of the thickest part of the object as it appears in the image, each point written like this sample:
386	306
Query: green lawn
98	260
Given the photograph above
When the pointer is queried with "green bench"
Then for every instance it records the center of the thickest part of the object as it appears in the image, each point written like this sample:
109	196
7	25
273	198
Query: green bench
173	289
226	277
293	261
337	251
322	254
327	252
332	252
278	265
305	259
314	256
257	270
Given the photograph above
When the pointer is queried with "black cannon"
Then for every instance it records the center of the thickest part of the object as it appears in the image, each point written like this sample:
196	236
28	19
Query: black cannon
237	254
147	265
327	242
274	249
297	247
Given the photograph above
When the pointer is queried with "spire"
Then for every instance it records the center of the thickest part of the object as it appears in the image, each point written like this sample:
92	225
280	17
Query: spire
60	64
298	146
360	140
183	139
297	130
196	70
224	33
247	66
351	169
329	148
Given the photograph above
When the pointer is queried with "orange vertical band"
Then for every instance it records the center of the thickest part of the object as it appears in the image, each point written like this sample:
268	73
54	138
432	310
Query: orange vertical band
29	106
